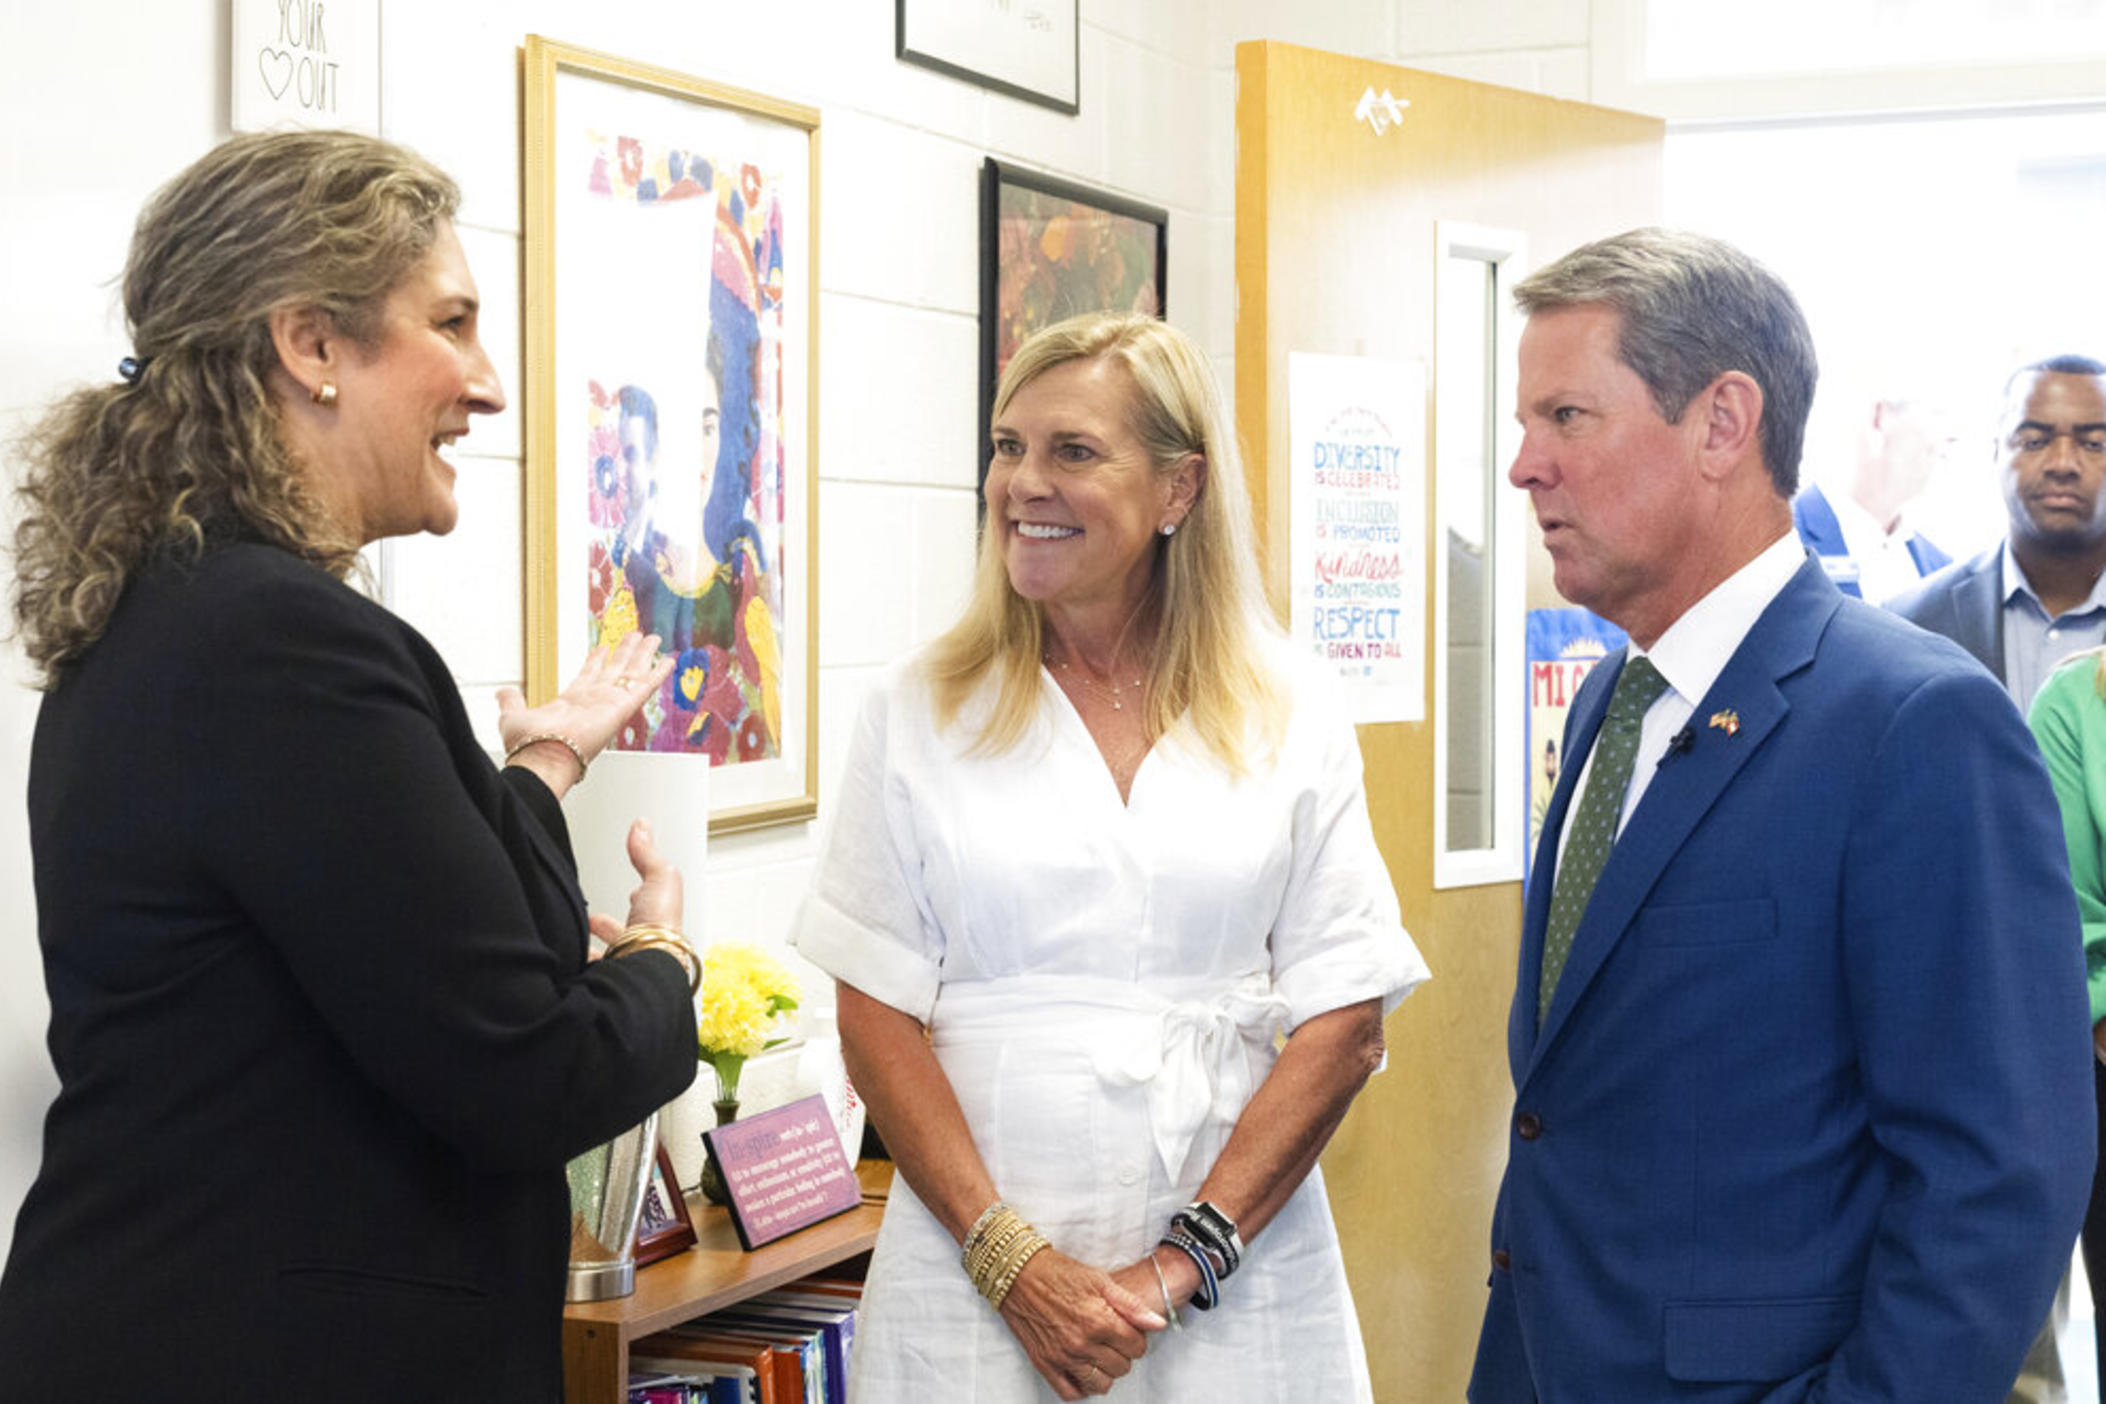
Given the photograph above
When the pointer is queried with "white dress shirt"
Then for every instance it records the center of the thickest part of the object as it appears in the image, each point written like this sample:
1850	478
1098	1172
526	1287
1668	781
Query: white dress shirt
1885	566
1691	654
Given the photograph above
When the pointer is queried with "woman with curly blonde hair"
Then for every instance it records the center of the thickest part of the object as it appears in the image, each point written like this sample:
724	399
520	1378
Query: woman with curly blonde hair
321	1009
1095	851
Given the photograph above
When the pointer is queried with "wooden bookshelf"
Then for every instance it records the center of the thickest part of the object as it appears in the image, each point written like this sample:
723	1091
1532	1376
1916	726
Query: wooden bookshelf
714	1274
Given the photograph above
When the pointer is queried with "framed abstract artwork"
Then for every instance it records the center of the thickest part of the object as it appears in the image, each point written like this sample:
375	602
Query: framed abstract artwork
672	251
1050	249
1029	49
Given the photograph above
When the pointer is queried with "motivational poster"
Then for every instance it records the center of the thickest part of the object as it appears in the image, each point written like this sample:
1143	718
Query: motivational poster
1356	431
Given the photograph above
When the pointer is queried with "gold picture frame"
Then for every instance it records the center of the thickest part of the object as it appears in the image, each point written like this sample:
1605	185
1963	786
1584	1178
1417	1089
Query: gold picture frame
672	359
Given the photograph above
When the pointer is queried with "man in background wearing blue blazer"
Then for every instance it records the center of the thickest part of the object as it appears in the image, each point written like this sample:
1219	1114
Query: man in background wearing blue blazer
1858	524
1802	1090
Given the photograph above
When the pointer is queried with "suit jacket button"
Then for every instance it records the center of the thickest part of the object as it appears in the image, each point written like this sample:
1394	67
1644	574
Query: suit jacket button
1502	1260
1528	1126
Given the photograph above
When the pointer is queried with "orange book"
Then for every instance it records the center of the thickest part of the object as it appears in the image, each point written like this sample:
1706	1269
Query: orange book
785	1363
677	1350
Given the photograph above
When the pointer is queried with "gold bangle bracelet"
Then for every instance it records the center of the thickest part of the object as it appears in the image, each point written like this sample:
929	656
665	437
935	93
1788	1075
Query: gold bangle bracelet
980	1227
672	945
997	1246
560	739
1007	1230
638	931
999	1291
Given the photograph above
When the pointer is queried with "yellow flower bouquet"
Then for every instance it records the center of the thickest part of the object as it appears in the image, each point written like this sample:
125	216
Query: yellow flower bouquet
745	993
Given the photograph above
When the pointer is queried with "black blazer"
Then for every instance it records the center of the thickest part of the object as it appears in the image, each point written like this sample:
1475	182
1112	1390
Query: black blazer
323	1025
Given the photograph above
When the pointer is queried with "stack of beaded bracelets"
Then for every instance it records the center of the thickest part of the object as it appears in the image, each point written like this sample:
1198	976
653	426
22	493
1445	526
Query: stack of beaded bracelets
996	1249
1209	1238
650	936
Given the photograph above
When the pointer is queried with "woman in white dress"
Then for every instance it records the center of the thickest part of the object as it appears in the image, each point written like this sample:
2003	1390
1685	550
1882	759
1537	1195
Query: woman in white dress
1095	851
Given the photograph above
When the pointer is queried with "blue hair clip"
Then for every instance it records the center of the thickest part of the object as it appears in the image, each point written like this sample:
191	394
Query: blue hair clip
132	367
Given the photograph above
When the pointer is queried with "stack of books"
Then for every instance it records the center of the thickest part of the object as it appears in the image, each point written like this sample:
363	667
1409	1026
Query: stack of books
788	1346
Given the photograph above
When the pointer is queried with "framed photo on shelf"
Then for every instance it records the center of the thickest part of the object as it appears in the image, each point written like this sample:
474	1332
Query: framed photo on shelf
663	1227
672	275
1050	249
1029	49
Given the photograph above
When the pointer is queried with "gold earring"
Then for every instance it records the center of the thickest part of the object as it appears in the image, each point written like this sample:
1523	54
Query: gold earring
324	394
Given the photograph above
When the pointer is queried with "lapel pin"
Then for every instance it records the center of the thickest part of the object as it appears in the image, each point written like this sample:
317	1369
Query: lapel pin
1727	721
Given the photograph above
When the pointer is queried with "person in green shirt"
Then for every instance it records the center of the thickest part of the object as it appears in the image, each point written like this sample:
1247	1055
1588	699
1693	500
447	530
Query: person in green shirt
2069	721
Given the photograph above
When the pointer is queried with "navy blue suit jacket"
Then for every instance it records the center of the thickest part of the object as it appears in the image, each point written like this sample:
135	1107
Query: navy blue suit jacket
1822	532
1810	1115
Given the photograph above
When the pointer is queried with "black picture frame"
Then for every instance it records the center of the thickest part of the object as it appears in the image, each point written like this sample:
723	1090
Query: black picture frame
1048	77
1091	276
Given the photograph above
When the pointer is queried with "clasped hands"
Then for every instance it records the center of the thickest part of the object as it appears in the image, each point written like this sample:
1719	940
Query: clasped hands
1083	1328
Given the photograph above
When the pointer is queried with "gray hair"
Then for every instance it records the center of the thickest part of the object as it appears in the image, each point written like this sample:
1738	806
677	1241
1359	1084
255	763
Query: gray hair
1693	308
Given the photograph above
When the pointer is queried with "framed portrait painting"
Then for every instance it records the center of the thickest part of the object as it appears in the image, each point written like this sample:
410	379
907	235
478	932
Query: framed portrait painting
671	286
1050	249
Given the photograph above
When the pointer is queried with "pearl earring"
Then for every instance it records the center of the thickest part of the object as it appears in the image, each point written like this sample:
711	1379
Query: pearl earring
1168	528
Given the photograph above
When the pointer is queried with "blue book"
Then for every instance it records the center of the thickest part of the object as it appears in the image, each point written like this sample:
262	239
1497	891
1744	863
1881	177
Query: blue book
724	1380
792	1331
836	1317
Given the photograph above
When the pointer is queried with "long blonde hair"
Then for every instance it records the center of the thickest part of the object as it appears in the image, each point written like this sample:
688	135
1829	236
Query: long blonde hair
187	448
1205	605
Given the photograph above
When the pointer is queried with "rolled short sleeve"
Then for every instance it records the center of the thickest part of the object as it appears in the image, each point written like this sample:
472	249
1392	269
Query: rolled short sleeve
1340	938
866	920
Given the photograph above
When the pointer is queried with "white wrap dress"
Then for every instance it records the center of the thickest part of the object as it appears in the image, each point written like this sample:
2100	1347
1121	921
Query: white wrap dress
1104	983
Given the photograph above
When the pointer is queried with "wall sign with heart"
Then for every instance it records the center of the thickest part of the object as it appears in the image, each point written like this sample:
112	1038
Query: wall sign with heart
276	65
306	63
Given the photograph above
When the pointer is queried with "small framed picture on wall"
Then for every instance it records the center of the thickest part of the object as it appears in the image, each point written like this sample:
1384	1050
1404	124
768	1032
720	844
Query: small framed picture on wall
1050	249
1029	49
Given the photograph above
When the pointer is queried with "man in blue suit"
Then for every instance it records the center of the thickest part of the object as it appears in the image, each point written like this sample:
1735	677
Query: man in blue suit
1859	527
1800	1041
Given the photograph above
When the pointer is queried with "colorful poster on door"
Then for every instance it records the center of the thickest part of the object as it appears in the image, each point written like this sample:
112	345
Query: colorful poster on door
1562	647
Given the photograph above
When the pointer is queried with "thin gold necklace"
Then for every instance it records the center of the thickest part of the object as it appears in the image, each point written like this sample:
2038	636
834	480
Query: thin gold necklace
1110	692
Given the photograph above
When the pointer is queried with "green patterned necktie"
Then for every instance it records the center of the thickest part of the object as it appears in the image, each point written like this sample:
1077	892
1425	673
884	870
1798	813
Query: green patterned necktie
1591	833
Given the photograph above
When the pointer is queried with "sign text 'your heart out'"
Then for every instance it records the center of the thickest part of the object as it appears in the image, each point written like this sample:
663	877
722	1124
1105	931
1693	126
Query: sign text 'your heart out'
298	62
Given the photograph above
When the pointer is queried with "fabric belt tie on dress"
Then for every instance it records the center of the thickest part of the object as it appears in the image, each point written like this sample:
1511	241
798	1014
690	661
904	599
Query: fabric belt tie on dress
1193	1054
